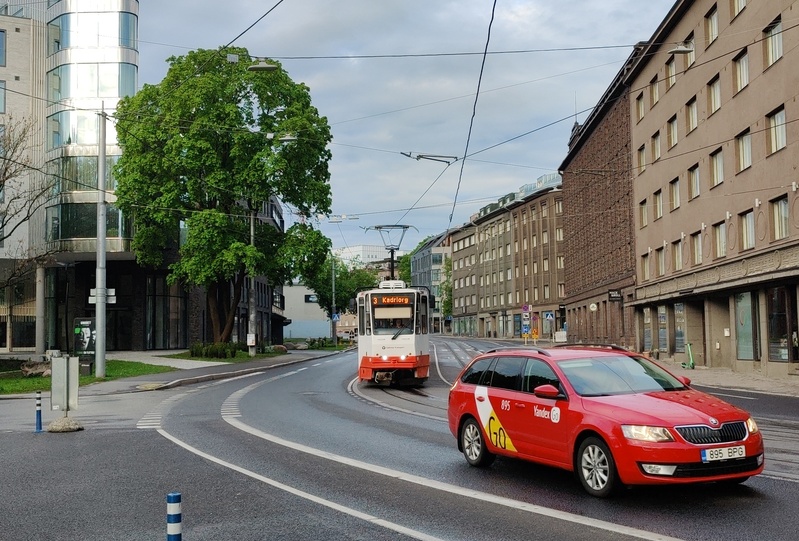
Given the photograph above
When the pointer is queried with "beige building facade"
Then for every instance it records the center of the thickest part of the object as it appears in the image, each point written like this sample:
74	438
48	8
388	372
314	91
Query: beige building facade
715	181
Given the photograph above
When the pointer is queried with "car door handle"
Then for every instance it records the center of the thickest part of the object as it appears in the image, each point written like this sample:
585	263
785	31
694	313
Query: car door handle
481	399
520	405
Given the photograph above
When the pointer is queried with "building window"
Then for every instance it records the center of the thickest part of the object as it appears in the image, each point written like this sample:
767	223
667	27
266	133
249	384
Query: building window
743	147
737	7
777	138
544	237
546	291
545	264
654	93
658	204
671	73
717	168
691	118
693	181
2	96
639	106
676	254
741	66
562	290
655	147
690	58
645	267
714	95
696	247
559	207
712	25
559	234
660	261
779	210
772	36
672	131
720	239
561	262
674	193
2	47
642	212
544	210
641	159
747	220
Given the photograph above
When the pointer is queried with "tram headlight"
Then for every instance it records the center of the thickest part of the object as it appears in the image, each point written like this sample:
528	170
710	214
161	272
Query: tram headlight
384	357
403	357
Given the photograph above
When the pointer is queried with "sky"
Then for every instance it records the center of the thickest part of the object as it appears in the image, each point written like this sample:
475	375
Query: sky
388	76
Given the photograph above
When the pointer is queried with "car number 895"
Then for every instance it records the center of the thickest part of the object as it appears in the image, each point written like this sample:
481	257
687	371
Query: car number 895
723	453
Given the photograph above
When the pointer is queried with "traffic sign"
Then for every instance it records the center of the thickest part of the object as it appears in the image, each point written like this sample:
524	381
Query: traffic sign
336	317
525	308
550	316
525	329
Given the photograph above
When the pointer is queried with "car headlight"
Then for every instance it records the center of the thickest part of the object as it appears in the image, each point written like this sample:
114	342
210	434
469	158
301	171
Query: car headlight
751	425
646	433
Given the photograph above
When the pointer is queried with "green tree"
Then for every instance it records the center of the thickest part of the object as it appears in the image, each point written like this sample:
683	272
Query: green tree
202	152
404	268
349	280
446	288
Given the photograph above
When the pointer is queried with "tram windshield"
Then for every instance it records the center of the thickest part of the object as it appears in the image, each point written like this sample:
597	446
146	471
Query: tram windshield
393	320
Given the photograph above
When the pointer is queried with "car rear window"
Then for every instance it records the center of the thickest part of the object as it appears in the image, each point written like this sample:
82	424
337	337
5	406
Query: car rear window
599	376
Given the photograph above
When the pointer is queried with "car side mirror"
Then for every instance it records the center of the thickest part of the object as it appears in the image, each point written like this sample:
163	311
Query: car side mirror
547	391
684	380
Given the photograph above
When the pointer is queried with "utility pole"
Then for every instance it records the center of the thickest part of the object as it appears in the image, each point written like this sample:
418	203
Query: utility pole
100	283
333	309
251	295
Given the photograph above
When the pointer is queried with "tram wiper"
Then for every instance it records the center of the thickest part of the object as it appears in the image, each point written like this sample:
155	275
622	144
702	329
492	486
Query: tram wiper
399	331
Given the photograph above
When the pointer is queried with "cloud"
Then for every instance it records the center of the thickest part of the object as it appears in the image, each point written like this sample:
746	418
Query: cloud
381	107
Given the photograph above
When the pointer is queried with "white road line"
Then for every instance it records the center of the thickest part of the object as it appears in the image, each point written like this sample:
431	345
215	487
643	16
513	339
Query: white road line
305	495
421	481
438	368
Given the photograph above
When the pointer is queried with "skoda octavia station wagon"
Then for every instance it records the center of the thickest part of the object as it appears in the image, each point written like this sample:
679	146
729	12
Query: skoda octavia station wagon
611	416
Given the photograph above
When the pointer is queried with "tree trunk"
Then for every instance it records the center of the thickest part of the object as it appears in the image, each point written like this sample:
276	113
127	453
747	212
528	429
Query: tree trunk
222	311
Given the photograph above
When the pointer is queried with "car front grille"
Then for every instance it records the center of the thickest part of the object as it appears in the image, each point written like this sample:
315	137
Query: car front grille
704	435
710	469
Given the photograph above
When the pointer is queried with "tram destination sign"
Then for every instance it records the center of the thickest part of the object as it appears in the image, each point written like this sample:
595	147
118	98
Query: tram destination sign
380	299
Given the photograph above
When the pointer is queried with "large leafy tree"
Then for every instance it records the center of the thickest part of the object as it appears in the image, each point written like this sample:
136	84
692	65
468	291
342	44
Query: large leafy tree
349	279
204	151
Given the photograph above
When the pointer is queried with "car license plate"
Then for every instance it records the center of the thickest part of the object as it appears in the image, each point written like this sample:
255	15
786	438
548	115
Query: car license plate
723	453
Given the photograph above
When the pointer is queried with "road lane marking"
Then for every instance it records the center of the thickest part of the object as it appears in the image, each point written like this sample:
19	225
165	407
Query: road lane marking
302	494
437	485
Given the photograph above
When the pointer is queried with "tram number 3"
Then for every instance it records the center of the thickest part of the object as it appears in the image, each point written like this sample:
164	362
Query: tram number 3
497	435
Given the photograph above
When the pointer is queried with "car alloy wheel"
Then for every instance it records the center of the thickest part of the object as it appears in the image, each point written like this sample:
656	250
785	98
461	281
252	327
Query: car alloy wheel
473	444
595	468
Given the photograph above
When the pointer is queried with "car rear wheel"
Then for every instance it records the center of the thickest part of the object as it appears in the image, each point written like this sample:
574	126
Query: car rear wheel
473	444
595	468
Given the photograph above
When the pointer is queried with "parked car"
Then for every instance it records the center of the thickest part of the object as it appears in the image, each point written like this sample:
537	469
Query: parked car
612	416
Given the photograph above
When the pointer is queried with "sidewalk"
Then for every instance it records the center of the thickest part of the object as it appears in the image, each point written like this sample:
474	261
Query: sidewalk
186	372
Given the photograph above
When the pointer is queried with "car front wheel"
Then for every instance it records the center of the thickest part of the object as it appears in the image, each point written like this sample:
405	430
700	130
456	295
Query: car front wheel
473	445
595	468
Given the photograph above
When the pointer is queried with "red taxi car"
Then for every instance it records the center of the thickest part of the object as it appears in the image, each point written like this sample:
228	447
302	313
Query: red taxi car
612	416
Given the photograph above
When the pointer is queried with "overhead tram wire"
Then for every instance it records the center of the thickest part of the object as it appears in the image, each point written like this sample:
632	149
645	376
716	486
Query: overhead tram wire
474	113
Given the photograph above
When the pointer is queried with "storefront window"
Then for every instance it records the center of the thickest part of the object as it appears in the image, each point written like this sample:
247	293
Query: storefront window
745	328
782	338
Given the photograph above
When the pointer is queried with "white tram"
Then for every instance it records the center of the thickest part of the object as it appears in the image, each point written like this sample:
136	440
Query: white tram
393	333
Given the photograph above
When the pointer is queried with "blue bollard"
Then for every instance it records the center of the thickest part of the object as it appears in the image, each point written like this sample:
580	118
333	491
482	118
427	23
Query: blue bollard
173	517
38	411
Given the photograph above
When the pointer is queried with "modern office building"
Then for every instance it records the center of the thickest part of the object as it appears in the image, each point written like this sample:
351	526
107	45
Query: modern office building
67	64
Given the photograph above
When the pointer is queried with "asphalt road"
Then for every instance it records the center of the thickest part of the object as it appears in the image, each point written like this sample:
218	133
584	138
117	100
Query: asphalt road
299	452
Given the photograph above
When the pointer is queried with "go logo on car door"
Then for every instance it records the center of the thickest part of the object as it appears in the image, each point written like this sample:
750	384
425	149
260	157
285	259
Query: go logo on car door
490	421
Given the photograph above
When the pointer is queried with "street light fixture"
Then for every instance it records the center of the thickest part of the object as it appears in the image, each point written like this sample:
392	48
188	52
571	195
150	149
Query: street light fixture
262	65
686	47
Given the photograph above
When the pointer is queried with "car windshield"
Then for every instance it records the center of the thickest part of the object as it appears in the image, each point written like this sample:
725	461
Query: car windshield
601	376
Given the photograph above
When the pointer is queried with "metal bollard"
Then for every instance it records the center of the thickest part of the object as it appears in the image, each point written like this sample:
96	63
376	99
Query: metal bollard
38	411
173	517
